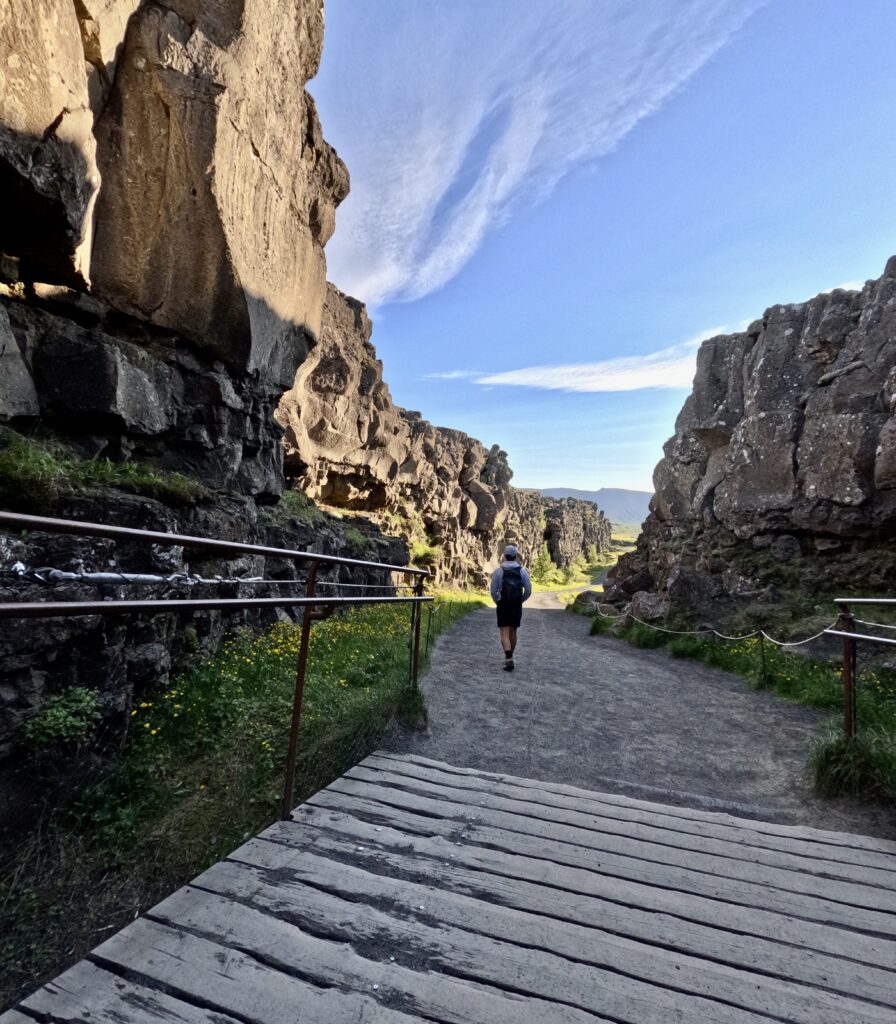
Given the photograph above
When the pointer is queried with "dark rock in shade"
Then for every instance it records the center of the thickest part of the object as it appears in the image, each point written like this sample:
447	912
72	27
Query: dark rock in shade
782	470
137	392
122	655
349	445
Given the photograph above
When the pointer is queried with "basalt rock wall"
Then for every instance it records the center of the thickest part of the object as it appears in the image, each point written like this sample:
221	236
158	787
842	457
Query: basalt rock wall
348	445
167	195
781	474
165	158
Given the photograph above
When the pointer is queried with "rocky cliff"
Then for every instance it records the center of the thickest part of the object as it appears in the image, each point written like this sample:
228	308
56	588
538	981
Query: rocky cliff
167	197
781	476
165	157
348	445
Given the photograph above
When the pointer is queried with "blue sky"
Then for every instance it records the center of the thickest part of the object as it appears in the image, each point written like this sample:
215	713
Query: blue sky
553	202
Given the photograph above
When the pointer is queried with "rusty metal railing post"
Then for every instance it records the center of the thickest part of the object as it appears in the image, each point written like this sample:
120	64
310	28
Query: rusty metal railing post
429	610
847	624
415	651
289	781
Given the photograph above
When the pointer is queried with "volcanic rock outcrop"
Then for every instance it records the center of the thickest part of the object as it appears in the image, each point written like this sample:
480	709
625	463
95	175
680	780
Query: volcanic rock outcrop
167	155
348	445
167	195
782	470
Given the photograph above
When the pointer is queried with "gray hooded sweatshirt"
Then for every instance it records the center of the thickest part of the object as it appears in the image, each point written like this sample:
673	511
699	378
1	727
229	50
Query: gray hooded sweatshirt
498	577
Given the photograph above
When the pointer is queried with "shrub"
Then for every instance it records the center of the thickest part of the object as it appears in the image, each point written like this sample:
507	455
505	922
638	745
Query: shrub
424	555
69	719
296	505
543	570
355	541
600	624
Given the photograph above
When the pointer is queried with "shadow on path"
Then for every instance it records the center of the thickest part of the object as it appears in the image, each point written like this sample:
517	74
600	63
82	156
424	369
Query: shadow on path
596	713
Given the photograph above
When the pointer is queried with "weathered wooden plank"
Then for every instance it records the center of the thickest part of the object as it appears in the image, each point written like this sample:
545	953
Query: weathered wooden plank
816	898
591	829
557	911
734	830
231	982
86	992
846	839
421	990
14	1017
556	889
555	958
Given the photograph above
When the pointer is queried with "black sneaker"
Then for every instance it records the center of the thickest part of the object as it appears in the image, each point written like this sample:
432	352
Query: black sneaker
508	665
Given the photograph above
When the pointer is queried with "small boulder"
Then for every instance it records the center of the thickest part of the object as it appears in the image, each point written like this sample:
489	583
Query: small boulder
649	607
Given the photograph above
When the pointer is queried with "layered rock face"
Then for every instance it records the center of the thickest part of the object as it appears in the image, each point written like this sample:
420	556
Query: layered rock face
347	444
782	470
167	196
167	156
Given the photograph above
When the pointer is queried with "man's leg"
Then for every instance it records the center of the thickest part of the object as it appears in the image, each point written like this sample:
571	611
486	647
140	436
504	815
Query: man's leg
511	637
506	640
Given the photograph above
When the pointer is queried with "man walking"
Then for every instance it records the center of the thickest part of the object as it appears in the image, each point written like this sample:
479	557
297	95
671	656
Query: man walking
510	587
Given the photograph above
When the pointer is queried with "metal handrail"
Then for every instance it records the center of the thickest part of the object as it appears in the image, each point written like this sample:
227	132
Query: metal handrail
19	521
846	624
315	606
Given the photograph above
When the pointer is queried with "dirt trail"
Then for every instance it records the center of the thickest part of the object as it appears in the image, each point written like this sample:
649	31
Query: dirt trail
594	712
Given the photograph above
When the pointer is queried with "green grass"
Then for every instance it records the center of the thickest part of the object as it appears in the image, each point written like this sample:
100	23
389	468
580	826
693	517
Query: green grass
294	505
625	533
35	473
864	767
201	770
424	555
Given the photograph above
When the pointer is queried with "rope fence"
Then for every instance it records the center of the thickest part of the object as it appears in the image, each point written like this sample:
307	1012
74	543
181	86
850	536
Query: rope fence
844	626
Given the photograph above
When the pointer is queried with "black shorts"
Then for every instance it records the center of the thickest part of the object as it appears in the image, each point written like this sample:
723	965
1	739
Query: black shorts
510	613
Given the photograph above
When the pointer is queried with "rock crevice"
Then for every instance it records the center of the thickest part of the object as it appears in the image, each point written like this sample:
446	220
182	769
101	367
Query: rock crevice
348	445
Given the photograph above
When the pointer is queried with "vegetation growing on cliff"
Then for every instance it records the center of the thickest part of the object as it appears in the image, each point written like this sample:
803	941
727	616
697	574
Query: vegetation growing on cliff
35	472
201	770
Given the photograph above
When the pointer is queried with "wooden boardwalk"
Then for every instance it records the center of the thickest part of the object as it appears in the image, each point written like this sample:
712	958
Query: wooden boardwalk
410	890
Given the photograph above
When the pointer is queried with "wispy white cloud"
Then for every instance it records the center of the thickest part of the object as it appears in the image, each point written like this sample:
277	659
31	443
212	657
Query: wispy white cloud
450	114
668	368
453	375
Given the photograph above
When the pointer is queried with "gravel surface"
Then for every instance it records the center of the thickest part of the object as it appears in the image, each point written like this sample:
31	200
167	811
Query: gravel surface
597	713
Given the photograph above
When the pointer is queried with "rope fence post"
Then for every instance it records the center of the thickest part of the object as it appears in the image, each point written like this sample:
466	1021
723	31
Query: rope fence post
847	624
289	782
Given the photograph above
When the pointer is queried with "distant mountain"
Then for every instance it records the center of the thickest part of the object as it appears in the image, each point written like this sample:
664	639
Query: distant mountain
619	506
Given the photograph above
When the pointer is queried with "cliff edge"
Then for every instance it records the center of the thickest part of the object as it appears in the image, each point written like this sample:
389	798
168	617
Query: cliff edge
780	480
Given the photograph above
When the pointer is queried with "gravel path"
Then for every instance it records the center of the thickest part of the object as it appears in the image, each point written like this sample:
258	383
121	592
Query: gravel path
594	712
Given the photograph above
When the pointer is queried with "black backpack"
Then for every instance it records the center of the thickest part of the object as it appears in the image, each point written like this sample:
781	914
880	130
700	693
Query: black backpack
512	584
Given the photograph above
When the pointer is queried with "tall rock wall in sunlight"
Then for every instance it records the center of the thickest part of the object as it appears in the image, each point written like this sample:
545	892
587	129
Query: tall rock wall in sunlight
164	163
782	471
348	445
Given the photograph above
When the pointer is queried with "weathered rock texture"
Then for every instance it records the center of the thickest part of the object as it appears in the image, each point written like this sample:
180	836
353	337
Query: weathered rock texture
349	445
167	155
167	195
782	470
